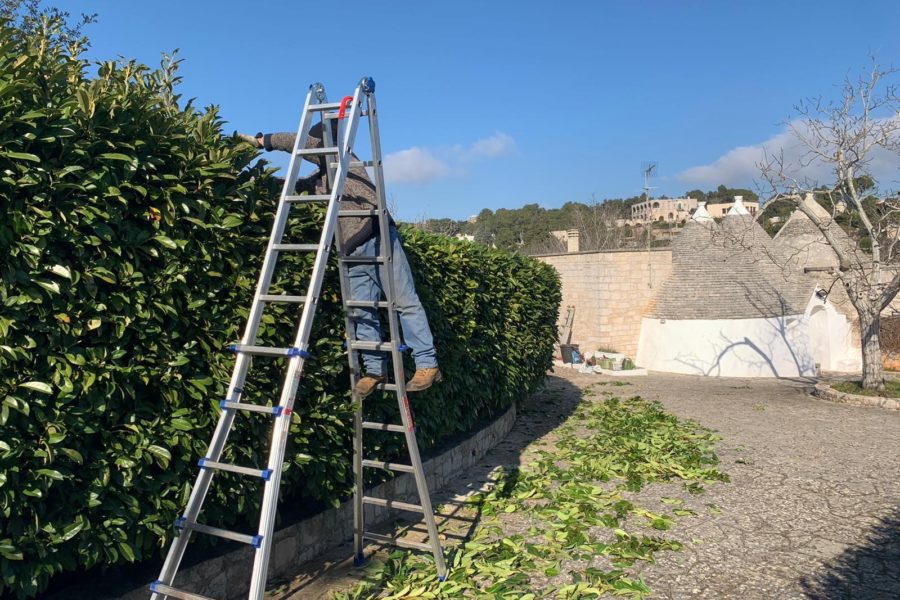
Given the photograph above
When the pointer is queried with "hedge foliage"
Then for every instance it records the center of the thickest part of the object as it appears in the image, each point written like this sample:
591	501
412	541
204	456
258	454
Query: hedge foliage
131	236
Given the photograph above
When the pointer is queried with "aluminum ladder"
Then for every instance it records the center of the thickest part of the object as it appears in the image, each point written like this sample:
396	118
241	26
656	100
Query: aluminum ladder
339	159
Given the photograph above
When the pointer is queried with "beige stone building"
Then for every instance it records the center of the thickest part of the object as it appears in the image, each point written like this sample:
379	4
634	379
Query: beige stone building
665	210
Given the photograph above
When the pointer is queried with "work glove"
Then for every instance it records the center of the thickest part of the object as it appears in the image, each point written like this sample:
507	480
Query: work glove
250	139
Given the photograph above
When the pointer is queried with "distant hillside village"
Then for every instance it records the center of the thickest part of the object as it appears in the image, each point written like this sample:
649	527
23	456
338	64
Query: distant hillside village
602	225
631	223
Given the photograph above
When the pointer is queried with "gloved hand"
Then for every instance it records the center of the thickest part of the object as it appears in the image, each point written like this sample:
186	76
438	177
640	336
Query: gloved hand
251	139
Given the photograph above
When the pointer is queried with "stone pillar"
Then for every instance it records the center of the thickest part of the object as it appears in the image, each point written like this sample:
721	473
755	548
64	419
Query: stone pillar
572	239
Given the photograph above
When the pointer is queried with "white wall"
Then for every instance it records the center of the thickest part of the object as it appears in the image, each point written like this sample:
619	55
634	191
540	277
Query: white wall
773	347
831	338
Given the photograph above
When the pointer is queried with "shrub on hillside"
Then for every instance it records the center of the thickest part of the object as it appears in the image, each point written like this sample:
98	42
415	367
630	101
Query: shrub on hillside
131	237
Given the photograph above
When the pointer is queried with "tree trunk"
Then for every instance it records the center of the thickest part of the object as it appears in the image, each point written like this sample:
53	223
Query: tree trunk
870	335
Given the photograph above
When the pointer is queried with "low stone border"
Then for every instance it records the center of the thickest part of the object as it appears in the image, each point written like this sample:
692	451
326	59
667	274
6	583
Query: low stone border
622	373
228	576
825	391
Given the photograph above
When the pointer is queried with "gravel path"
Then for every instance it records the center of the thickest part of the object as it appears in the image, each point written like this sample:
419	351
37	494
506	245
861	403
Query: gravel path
813	507
812	510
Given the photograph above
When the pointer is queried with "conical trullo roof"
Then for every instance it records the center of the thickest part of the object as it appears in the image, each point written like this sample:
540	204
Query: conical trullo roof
802	241
738	208
729	270
701	215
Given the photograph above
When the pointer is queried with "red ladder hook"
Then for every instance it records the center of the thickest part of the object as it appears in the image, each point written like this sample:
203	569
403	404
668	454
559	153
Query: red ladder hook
347	100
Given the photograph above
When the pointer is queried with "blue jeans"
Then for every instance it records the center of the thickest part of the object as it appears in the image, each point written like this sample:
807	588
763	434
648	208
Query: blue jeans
365	284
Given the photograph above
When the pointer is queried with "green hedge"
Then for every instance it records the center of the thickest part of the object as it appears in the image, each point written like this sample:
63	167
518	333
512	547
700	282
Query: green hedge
113	322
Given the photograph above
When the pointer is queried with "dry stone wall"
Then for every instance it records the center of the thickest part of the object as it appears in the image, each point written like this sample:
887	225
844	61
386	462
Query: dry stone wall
611	291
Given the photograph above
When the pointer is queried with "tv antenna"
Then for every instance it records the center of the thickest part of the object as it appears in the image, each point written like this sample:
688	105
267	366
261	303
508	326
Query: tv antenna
649	168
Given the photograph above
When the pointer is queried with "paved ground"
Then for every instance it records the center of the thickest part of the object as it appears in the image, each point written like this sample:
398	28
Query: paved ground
813	507
812	510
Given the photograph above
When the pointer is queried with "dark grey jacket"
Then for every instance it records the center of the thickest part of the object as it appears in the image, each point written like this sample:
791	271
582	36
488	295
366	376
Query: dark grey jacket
359	191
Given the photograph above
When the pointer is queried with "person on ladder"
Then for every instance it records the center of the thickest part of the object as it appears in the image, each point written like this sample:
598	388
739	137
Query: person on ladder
360	237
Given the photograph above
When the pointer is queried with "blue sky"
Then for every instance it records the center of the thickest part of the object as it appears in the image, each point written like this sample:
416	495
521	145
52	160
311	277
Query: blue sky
505	103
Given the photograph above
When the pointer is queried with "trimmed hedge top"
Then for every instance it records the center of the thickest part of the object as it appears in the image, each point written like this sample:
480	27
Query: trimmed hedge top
131	237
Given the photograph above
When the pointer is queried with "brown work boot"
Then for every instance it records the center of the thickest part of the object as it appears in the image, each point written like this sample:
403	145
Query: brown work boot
423	379
367	384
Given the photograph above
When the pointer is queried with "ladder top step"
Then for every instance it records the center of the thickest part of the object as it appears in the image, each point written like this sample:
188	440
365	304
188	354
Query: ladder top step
324	106
336	114
158	587
308	198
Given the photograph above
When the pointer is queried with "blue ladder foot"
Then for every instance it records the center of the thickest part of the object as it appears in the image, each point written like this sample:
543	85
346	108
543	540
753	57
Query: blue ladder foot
359	560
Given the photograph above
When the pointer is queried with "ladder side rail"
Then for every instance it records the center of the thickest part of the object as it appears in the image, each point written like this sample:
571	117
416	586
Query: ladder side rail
242	361
355	375
281	216
282	424
397	357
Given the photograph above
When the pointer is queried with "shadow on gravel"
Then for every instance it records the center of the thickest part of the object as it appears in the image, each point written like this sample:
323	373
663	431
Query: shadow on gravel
870	570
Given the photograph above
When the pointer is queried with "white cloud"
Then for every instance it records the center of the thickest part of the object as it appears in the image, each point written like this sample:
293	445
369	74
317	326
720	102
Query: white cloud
739	167
499	144
413	165
424	165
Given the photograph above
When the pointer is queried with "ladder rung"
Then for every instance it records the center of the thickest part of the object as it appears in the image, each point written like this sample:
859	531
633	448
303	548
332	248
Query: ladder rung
361	163
393	504
282	298
366	304
374	346
327	151
267	351
252	540
158	587
383	427
387	466
335	115
387	539
308	198
362	259
358	213
209	464
295	247
324	106
269	410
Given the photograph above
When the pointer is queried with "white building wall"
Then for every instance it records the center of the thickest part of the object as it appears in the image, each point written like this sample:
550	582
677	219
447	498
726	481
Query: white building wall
831	338
772	347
